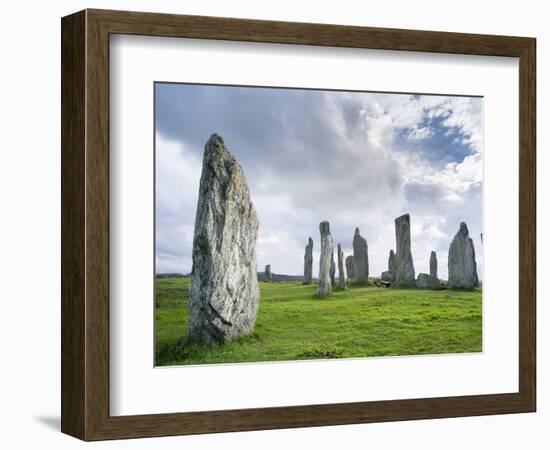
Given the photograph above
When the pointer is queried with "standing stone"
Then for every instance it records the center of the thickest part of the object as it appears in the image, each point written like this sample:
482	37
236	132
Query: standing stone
224	294
325	260
389	275
308	262
349	266
341	270
360	258
332	269
392	264
425	281
404	267
433	264
462	261
267	273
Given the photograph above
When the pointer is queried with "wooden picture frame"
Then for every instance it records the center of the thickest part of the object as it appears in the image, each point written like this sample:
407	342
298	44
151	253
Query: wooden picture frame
85	224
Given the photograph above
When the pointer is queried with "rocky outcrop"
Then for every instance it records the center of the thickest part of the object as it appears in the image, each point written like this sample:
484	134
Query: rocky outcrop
308	262
462	261
360	258
341	269
325	259
404	267
433	264
267	273
387	276
349	266
425	281
224	294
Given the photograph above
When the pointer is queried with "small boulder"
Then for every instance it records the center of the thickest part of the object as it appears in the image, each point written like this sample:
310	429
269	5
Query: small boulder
425	281
387	276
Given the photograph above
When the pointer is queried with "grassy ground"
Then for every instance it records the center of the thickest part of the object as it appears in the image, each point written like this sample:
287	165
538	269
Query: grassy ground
360	321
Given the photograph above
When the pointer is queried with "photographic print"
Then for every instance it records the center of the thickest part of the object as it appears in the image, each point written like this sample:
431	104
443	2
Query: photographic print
306	224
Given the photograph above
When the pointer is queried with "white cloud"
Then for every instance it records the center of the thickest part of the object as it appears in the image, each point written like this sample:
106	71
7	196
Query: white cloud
353	159
176	193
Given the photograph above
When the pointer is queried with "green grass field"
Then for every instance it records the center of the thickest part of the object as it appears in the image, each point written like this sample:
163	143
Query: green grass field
293	324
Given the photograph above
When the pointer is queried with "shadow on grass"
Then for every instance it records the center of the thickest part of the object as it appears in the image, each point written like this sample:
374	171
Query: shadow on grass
184	349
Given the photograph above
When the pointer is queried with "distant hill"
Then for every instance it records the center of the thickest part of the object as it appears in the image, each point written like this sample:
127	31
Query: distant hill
274	276
281	277
172	275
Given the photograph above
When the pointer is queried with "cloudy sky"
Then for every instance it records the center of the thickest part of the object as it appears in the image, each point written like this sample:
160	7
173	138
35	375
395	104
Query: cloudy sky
356	159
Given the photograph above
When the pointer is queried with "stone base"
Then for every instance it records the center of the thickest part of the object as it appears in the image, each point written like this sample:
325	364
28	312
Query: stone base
425	281
387	276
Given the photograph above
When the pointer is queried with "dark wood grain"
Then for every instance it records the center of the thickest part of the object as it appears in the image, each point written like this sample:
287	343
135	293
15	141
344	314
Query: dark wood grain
85	224
152	24
73	226
527	224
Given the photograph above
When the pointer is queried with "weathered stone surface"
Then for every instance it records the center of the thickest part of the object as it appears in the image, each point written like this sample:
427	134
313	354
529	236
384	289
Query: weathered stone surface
224	294
433	264
341	269
389	275
332	270
360	258
476	279
425	281
392	264
404	267
267	273
462	261
308	262
349	266
325	259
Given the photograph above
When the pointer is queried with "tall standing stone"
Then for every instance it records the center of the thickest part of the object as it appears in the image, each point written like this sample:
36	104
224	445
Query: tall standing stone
433	264
308	262
341	269
389	275
267	273
360	258
462	261
325	260
349	266
404	267
332	270
224	294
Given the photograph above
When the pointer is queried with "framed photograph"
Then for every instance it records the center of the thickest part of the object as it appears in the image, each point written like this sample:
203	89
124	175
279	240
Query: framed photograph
272	225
